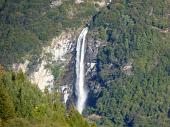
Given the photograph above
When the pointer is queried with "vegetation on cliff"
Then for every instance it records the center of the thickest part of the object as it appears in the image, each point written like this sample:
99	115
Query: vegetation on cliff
133	69
137	38
22	104
27	25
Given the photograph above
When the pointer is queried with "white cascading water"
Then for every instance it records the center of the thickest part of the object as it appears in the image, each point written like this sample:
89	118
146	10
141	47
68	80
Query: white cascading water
80	53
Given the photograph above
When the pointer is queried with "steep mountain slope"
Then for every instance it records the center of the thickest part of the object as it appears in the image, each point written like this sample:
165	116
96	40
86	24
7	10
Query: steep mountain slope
22	104
127	60
26	26
131	83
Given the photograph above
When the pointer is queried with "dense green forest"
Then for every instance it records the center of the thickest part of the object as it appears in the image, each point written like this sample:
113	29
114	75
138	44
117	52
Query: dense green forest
137	35
22	104
27	25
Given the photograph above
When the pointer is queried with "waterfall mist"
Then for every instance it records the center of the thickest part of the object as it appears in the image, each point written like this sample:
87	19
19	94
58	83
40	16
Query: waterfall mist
81	92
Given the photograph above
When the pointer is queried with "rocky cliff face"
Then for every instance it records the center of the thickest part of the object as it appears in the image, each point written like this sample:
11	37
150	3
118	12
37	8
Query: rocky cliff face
59	57
54	54
58	53
91	68
61	53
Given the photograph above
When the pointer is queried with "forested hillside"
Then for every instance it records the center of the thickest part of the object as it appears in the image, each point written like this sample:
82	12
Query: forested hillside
133	69
132	74
22	104
27	25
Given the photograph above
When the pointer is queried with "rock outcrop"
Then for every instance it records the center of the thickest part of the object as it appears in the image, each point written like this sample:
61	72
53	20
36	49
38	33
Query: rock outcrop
91	71
59	52
55	3
53	54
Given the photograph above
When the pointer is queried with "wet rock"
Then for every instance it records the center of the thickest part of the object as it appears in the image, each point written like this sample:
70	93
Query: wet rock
94	88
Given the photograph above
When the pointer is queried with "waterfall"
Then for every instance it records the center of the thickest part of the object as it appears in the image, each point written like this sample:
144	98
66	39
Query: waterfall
81	92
